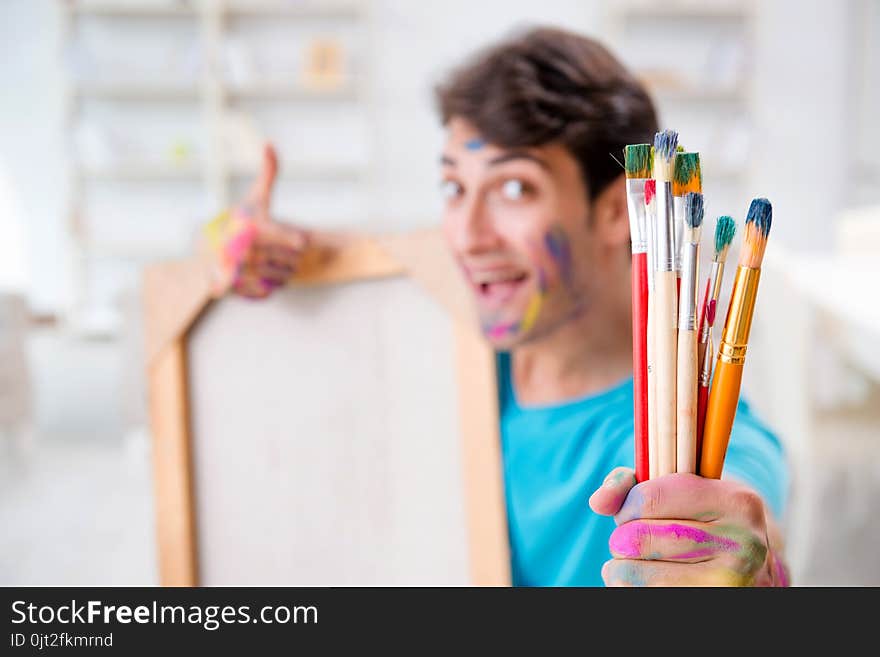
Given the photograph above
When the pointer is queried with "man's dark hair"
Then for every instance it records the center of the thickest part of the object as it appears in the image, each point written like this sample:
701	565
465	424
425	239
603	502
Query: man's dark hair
552	86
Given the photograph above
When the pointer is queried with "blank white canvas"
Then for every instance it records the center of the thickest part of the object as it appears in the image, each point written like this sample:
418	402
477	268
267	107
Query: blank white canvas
326	439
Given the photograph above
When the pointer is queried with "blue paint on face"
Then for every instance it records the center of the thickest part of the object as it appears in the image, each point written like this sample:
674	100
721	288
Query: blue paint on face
556	243
474	144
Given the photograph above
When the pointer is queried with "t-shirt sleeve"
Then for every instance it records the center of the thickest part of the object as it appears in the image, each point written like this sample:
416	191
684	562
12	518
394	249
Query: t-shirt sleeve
756	456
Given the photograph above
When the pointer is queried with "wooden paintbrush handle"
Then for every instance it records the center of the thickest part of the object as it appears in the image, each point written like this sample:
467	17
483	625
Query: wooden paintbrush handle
686	403
720	412
666	343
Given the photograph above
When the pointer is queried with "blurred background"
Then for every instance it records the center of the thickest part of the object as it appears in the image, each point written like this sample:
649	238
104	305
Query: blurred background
127	124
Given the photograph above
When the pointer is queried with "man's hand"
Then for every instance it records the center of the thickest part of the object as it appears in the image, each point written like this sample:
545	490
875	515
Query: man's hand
685	530
256	253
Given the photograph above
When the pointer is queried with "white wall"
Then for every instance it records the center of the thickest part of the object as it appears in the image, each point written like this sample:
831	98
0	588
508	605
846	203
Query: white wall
805	110
31	143
415	44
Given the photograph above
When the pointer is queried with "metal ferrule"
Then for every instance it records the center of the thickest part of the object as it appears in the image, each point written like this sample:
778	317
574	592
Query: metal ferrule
665	226
714	292
687	305
635	205
735	336
678	235
706	365
651	224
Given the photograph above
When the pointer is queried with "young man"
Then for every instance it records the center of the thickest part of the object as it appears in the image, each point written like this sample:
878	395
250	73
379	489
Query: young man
536	216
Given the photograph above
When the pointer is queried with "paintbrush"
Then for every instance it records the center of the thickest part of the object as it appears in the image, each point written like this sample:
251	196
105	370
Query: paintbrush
651	218
727	379
686	177
638	166
686	373
725	229
665	303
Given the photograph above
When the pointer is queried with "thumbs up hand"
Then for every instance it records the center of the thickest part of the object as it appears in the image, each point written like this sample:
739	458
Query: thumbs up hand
256	253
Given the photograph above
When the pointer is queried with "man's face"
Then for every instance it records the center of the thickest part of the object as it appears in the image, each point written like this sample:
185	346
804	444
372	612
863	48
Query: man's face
517	222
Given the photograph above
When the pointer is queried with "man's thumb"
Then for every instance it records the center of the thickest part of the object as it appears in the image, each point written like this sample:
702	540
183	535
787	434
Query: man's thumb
262	190
609	497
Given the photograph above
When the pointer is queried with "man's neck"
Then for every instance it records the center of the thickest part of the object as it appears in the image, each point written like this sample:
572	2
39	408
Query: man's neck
585	355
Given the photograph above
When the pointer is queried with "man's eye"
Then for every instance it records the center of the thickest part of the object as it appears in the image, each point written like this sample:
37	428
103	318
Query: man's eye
513	189
450	189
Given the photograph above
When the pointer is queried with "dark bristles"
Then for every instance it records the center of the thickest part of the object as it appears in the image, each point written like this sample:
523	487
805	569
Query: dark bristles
760	214
637	160
725	229
693	209
665	143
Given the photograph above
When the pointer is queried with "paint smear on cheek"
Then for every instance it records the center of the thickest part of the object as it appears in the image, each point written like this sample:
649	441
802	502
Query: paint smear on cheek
530	316
557	245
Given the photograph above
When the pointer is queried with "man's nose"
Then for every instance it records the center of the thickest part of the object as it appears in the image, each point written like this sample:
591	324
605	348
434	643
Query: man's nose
475	229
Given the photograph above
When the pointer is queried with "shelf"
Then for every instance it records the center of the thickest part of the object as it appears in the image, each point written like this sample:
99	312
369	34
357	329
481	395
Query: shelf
684	11
305	171
696	94
277	90
136	91
130	252
127	8
148	172
161	172
293	9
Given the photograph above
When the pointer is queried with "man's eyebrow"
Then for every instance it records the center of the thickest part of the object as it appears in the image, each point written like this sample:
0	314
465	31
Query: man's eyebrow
518	155
447	161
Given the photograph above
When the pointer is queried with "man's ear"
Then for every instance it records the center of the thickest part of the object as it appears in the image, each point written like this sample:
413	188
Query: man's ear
610	218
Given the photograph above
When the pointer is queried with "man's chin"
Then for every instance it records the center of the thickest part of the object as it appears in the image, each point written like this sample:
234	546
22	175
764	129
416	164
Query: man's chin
502	336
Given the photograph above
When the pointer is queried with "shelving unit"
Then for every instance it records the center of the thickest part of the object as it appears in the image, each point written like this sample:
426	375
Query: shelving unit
669	43
202	166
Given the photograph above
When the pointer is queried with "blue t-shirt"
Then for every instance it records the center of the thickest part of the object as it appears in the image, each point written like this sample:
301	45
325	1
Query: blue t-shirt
555	456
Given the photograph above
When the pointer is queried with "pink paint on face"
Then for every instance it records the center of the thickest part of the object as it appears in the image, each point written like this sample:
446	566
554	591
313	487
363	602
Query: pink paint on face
628	538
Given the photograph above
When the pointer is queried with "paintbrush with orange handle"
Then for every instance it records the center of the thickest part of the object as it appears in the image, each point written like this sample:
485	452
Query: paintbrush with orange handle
727	379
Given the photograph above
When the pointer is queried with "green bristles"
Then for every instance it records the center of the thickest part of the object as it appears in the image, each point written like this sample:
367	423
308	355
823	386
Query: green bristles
687	170
725	229
693	209
760	214
637	161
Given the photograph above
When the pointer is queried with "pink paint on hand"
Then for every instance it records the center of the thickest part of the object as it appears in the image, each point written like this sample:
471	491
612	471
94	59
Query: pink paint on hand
627	541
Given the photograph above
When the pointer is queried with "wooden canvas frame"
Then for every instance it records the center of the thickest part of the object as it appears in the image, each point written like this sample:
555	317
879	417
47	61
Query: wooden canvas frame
177	293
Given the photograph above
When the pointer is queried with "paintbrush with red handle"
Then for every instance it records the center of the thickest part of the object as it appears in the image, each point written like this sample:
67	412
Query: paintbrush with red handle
637	163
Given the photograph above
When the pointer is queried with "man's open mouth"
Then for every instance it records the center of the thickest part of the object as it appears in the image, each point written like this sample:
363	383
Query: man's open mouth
495	287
